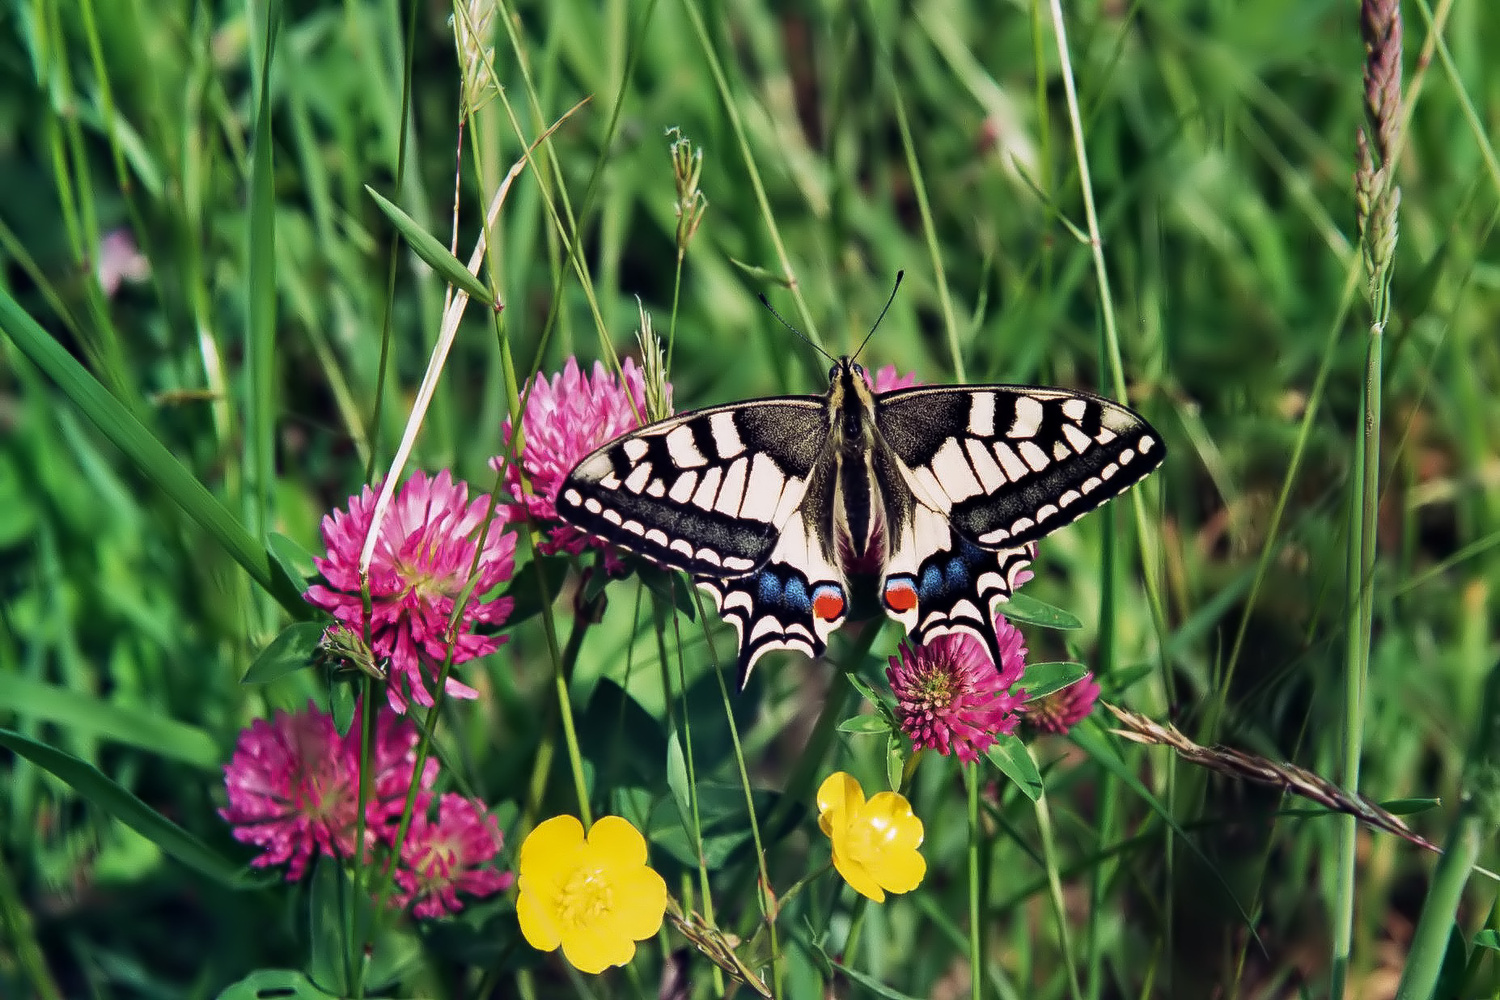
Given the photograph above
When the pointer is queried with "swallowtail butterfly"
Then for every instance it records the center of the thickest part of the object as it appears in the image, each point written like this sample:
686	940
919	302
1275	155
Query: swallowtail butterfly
940	493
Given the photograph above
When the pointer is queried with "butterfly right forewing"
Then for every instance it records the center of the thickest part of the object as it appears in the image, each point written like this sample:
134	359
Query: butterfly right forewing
1009	464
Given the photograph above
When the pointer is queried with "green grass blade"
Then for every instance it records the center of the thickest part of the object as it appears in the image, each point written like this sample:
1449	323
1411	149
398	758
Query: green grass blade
136	727
101	790
145	451
260	295
426	246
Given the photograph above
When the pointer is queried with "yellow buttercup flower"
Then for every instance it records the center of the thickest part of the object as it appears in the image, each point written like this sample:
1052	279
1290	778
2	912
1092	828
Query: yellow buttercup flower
593	895
874	842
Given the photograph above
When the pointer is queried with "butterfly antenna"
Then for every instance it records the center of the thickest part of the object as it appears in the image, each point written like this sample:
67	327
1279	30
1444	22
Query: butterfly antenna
894	290
772	309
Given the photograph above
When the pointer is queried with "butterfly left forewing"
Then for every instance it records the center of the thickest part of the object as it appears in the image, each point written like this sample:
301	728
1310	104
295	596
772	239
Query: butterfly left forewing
706	491
1009	464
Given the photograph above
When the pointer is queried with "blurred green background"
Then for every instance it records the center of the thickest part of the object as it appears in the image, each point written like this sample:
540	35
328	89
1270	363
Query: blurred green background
237	297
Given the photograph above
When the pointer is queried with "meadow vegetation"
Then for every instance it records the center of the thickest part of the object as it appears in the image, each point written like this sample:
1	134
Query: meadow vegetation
234	241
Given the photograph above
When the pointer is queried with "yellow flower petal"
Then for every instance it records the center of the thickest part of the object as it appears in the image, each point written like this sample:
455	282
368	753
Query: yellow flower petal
640	902
615	844
892	813
840	791
900	870
538	916
551	850
856	874
593	949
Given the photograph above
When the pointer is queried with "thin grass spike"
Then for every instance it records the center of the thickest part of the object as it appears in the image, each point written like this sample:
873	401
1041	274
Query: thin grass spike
1288	777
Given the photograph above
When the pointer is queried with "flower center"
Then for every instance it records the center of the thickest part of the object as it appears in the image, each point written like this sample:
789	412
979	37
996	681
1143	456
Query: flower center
422	579
586	897
938	686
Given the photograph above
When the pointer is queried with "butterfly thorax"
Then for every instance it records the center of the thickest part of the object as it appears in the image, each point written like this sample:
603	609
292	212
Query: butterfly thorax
858	520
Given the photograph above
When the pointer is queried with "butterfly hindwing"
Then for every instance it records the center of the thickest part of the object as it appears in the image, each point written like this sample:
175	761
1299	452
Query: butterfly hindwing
937	581
706	491
795	600
1009	464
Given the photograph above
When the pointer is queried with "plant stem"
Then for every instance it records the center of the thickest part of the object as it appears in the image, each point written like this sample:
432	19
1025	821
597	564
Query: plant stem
976	853
1054	883
1478	818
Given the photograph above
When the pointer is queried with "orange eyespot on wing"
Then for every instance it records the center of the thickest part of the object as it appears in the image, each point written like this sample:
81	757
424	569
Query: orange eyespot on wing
900	594
828	603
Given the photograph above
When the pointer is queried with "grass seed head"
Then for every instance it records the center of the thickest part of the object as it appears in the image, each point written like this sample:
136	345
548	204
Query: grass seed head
687	167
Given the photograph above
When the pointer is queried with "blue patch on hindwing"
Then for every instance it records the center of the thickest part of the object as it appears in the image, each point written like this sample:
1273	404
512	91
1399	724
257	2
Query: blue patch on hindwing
782	587
946	576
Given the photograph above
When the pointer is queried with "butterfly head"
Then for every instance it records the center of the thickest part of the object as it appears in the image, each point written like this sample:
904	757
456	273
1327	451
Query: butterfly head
851	400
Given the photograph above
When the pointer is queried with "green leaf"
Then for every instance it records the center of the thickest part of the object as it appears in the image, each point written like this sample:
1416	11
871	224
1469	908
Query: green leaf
154	461
1410	807
84	714
342	700
1042	679
397	951
274	984
426	246
626	742
632	804
1010	755
594	584
1021	608
289	652
103	792
865	725
895	760
862	686
1489	939
392	948
295	561
327	963
677	779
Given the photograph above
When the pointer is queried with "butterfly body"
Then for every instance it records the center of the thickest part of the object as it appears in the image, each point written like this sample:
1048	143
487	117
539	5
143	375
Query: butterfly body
940	493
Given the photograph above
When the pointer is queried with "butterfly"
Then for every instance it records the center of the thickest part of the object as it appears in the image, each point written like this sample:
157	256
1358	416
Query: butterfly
939	492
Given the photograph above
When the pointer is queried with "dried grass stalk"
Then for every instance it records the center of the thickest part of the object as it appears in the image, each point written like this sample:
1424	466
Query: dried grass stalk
1249	767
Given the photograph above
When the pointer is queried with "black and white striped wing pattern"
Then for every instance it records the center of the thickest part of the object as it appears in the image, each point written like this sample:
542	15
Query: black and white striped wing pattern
706	491
796	600
1007	464
937	581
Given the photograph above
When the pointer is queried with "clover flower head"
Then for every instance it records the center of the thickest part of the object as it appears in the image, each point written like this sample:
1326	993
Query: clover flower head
594	895
566	419
888	378
875	840
951	697
293	786
443	857
1061	710
422	562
